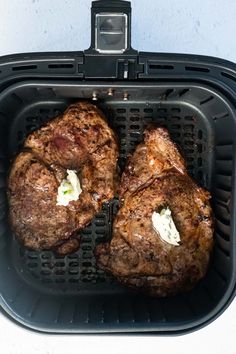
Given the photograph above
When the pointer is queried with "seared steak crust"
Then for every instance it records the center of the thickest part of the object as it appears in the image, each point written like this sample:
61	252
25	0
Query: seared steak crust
79	140
156	177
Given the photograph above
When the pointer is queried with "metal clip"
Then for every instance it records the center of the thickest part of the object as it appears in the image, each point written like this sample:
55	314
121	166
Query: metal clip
94	97
126	96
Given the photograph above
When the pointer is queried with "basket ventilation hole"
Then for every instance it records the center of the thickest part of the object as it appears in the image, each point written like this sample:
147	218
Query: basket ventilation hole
120	110
231	77
183	92
60	66
168	93
197	68
200	134
220	116
160	67
208	99
24	67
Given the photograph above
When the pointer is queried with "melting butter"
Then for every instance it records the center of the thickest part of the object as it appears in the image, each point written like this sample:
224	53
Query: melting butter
164	225
69	189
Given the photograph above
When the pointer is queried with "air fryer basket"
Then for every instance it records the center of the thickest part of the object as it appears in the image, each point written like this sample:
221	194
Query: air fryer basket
194	97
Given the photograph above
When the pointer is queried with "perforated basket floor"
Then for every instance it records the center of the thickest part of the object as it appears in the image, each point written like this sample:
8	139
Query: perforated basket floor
71	293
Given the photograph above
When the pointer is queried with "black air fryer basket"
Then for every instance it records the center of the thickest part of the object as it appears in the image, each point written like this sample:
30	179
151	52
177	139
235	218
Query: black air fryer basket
195	98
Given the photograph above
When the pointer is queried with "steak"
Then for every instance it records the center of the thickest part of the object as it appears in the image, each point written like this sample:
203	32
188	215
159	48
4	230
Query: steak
80	140
155	177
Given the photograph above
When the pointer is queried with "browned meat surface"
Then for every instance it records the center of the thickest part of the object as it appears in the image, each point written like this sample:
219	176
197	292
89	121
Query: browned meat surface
154	157
80	139
88	146
156	177
69	246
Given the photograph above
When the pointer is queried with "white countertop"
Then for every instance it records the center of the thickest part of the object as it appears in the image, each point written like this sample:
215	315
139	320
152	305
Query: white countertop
201	27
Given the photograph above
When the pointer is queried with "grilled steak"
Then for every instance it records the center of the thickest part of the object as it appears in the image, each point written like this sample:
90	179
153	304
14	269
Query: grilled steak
155	177
79	140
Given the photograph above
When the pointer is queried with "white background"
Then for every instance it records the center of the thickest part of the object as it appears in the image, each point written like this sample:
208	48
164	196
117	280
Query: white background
199	26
